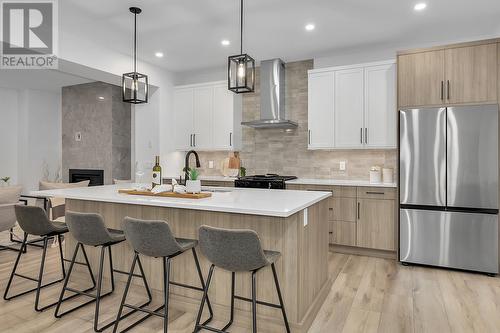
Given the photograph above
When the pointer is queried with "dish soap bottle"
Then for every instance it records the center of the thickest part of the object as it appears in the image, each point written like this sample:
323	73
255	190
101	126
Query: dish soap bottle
156	173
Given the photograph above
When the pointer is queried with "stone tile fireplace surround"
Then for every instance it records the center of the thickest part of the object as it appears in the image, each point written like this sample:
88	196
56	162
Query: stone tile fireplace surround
96	130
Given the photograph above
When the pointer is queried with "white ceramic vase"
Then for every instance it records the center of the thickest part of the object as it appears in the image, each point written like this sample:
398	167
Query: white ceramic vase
193	186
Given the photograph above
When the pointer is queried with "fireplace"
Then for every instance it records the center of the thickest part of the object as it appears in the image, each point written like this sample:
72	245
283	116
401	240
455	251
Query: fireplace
96	177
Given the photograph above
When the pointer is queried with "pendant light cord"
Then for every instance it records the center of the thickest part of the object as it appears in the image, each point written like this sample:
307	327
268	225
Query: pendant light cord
241	27
135	42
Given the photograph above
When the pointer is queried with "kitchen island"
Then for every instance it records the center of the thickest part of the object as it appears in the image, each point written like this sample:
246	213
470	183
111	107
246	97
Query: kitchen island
291	222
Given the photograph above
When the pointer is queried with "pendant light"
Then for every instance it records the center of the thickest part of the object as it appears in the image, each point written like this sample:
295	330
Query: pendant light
241	67
134	84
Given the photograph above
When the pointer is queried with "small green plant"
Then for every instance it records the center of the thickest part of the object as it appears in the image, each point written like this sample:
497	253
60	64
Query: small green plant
5	179
243	172
193	174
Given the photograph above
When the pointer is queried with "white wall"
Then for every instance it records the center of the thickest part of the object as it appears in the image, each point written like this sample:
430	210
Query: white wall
30	136
8	134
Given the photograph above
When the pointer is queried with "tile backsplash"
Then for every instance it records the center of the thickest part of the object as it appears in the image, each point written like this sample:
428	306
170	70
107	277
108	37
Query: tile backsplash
285	152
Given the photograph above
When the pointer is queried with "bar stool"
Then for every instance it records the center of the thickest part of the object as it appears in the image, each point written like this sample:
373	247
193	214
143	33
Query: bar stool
237	251
34	221
155	239
89	229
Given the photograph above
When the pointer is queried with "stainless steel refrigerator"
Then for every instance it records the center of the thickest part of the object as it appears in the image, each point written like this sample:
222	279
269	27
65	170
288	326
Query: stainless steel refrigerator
449	187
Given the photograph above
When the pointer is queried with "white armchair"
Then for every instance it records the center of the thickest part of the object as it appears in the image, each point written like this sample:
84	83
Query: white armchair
9	197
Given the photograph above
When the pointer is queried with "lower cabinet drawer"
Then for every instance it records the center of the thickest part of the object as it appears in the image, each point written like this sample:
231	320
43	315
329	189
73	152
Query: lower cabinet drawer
342	233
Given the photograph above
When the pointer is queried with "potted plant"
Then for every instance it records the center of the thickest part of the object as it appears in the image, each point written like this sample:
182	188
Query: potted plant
193	185
5	181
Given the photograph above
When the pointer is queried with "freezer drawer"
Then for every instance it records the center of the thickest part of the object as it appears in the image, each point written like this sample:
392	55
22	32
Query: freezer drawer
472	156
422	164
449	239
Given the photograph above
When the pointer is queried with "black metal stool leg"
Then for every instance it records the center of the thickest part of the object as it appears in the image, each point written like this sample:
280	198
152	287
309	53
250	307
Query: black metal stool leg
9	283
40	274
166	285
76	292
233	277
202	281
276	282
61	255
125	292
99	289
141	307
254	304
197	326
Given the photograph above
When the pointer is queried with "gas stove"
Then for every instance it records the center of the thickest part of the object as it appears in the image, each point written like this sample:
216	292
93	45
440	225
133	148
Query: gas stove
271	181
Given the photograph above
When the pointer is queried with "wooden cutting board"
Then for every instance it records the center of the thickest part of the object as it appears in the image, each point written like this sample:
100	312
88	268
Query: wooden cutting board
167	194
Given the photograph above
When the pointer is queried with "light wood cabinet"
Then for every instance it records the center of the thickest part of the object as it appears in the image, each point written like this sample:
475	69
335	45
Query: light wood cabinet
471	74
421	78
376	223
460	74
206	117
342	233
359	217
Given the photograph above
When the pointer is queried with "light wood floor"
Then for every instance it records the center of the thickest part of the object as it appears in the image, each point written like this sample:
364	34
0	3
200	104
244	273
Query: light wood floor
368	295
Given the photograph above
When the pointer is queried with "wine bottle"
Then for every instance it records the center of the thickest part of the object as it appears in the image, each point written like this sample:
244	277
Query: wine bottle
156	172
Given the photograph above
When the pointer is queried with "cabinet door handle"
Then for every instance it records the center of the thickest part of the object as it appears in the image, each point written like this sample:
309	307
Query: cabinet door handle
190	140
230	138
366	135
359	208
379	193
309	137
442	90
194	140
361	135
331	209
448	90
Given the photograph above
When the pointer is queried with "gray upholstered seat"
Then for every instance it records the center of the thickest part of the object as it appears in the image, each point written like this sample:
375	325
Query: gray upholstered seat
89	229
34	221
154	238
234	250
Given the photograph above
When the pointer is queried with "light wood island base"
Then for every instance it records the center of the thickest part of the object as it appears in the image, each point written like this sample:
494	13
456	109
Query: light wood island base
302	270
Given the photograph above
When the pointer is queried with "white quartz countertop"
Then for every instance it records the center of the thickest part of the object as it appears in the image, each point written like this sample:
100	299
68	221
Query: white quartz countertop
339	182
280	203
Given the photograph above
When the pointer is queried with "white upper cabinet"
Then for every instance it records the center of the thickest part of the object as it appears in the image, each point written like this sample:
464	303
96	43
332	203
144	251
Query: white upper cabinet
348	115
353	107
320	110
203	103
224	116
207	117
183	118
380	106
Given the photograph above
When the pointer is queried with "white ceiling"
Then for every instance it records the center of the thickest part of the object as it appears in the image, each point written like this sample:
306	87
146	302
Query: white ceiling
189	32
40	79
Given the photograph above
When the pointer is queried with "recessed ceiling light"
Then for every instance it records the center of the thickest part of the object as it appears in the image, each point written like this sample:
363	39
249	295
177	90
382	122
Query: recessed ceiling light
310	27
159	54
225	42
420	6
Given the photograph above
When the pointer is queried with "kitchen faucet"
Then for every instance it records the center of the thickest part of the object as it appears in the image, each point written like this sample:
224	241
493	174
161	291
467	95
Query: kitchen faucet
186	165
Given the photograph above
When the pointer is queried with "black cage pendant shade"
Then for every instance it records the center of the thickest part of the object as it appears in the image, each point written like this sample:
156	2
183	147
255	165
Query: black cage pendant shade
134	84
241	67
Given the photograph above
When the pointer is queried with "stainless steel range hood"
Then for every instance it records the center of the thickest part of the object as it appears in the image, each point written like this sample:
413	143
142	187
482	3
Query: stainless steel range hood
272	97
